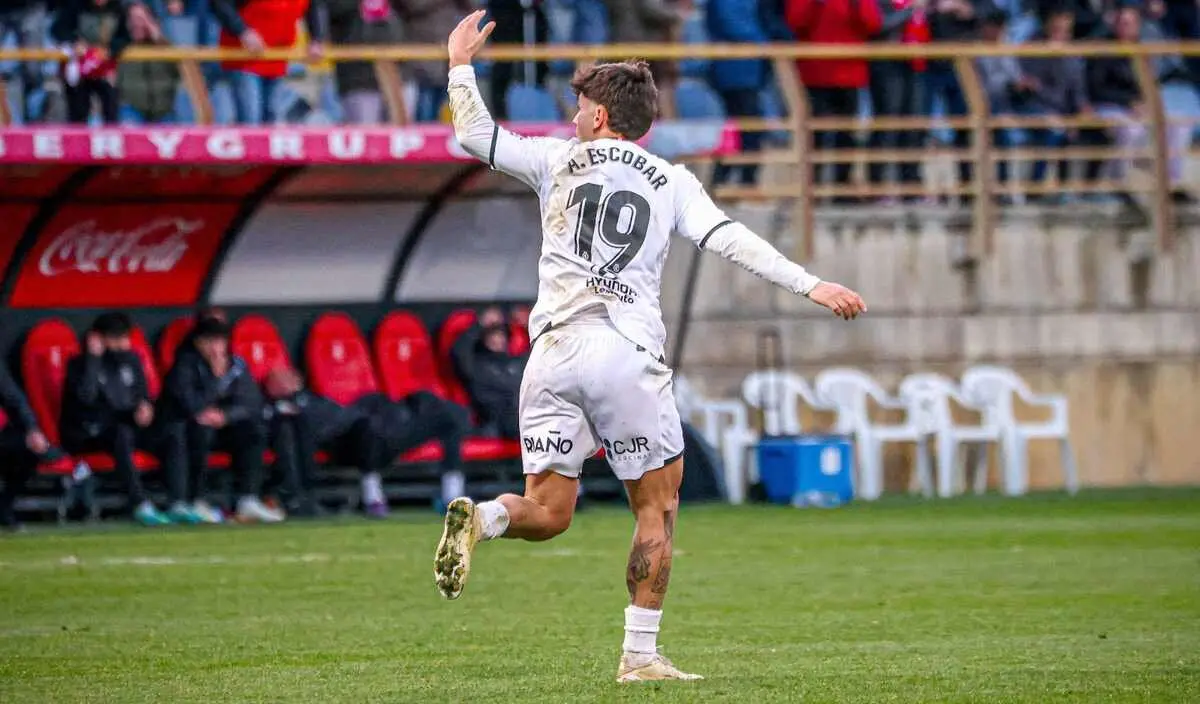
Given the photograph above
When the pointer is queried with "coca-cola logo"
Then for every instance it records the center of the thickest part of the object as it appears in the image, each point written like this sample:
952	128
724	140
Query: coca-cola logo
155	247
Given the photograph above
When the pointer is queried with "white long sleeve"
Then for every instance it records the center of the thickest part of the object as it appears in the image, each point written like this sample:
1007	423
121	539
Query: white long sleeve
700	220
737	243
526	158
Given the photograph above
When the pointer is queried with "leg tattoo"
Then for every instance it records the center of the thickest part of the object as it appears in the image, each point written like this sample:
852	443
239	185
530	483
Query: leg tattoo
639	564
649	571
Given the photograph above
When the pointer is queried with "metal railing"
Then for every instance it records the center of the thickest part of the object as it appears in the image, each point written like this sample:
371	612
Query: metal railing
802	154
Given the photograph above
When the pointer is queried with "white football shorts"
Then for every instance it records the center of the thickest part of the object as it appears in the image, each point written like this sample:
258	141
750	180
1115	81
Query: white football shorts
586	386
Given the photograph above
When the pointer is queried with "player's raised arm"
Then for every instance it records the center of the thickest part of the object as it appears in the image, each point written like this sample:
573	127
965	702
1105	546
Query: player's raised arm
477	132
700	220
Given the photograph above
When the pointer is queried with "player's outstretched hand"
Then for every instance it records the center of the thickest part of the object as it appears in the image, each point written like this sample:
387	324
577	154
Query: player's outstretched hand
844	303
467	38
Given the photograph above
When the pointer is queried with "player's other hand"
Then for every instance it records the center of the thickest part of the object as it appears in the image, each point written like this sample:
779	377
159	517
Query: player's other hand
467	38
842	301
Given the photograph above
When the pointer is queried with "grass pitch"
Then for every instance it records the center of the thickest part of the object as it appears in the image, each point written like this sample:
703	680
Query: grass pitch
1042	599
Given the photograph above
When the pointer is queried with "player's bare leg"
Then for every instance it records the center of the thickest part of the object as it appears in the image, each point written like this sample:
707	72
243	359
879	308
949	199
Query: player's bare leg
655	502
543	512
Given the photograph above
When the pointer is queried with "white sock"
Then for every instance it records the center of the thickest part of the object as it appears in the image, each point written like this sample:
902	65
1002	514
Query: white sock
641	630
454	484
372	489
494	519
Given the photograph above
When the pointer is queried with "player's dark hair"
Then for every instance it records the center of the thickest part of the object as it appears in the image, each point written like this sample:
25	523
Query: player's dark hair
626	90
112	325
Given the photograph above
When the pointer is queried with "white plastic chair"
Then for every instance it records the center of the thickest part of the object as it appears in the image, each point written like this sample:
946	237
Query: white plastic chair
992	388
933	393
725	424
848	392
778	395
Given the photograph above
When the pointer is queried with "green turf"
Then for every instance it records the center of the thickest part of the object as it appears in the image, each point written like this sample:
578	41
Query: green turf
1043	599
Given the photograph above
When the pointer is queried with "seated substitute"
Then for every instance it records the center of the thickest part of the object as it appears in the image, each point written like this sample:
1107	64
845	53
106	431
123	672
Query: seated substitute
106	408
490	372
368	433
210	402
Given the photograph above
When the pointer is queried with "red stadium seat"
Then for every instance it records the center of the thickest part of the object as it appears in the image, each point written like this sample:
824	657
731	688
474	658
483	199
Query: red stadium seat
404	355
257	340
142	349
339	366
518	340
170	338
458	323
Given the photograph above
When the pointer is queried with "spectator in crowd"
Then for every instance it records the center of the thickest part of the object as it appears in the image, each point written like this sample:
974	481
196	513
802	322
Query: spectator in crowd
951	21
147	88
25	21
303	422
1003	81
517	22
361	22
897	87
1055	87
1181	19
590	24
490	372
95	33
834	84
430	22
264	24
651	21
106	408
209	402
740	83
1088	14
1113	86
22	446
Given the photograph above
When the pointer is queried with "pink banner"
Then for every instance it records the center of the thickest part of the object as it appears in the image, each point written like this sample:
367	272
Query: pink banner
298	145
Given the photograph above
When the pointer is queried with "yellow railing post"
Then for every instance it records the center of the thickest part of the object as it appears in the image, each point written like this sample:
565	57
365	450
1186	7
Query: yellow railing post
1162	214
387	75
5	114
796	99
981	147
197	90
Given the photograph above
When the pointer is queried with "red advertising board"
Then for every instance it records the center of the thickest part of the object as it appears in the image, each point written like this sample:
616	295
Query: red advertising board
134	182
14	218
99	256
32	181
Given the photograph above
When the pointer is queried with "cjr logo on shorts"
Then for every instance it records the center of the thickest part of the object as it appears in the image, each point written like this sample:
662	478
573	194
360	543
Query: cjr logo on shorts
638	446
553	442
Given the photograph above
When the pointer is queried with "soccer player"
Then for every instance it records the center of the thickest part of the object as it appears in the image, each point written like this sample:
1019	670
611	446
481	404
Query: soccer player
596	375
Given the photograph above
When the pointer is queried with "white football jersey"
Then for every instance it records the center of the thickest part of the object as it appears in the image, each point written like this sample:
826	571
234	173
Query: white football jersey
608	209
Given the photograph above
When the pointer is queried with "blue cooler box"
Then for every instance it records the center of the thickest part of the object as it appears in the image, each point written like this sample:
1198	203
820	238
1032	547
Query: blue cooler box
807	470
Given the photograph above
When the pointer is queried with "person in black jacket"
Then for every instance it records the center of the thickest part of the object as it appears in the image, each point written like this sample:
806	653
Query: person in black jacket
368	433
210	402
106	408
303	422
22	446
97	31
491	375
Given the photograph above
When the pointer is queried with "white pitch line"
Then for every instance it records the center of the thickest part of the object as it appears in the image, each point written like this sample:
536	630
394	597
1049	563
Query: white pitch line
169	561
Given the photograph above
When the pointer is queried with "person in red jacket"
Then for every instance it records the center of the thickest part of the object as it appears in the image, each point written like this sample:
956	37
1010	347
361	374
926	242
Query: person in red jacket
834	84
257	25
